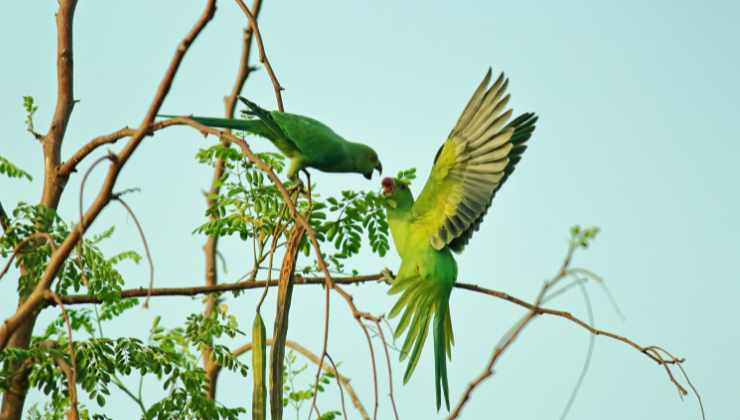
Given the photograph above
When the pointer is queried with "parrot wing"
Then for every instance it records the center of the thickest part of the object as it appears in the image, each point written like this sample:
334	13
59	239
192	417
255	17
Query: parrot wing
273	130
477	157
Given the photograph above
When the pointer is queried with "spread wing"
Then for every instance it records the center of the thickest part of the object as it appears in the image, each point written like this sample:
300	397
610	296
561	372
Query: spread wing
478	156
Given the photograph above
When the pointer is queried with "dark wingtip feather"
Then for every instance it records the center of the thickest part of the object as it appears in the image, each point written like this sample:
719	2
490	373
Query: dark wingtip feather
524	126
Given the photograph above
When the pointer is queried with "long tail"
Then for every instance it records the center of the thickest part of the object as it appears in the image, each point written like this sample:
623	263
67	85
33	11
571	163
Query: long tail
425	302
256	127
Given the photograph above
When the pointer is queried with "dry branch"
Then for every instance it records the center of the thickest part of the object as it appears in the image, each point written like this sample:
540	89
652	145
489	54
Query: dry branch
219	288
29	306
18	333
263	56
210	249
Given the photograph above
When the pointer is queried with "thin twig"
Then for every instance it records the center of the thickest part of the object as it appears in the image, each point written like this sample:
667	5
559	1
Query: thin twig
589	353
339	385
535	310
149	259
390	370
599	280
81	242
23	243
315	359
244	68
263	56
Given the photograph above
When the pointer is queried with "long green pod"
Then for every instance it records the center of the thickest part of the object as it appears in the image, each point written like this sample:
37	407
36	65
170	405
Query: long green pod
259	365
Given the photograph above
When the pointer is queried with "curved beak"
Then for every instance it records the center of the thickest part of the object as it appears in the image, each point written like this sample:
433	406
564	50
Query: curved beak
379	168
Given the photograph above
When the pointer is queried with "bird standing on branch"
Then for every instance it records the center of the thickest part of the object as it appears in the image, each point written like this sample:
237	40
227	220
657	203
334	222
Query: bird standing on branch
308	143
479	154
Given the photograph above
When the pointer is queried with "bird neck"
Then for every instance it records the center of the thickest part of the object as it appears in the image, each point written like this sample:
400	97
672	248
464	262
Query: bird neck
399	219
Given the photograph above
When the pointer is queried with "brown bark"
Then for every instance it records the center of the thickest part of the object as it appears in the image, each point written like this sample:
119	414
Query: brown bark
14	399
17	329
210	248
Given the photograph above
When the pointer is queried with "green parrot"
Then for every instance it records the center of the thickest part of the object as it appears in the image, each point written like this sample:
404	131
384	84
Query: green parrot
479	154
306	142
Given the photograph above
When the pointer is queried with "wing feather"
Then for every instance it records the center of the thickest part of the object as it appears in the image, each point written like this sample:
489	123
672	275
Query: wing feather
478	156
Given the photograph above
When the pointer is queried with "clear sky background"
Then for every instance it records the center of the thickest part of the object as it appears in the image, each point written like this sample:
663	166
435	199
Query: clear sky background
638	104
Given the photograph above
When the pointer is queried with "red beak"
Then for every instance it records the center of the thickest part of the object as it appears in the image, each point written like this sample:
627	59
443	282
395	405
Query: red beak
387	185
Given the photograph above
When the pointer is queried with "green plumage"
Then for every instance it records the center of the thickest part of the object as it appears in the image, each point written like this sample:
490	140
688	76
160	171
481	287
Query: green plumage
308	143
478	156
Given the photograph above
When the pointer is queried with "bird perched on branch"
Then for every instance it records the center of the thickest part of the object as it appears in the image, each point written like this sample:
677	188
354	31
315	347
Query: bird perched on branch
308	143
478	156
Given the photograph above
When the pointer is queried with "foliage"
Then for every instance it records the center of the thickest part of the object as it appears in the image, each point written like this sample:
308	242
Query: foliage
295	396
8	169
251	206
582	237
30	107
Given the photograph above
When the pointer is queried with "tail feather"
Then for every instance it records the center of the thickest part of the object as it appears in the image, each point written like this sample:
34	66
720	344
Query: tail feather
442	349
256	127
264	116
423	303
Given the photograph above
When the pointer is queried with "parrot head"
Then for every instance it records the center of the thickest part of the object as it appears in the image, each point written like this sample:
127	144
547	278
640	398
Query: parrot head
397	193
367	161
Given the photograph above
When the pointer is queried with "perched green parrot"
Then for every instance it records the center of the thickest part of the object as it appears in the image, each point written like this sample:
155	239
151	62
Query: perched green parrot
306	142
479	154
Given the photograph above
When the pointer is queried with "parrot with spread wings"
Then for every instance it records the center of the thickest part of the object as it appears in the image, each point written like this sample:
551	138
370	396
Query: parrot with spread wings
478	156
308	143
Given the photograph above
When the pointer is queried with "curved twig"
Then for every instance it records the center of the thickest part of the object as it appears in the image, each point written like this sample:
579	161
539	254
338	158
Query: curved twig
589	353
388	363
316	360
22	244
339	385
149	259
81	241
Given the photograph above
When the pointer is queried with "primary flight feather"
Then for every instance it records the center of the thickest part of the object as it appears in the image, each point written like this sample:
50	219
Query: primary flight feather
479	154
308	143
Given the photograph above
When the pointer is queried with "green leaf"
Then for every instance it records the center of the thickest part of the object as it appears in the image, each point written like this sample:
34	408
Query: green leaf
8	169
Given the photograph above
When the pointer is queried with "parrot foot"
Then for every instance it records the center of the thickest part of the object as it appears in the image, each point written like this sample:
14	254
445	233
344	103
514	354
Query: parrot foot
388	276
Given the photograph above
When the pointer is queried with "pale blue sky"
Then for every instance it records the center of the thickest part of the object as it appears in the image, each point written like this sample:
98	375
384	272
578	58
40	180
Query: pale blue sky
637	134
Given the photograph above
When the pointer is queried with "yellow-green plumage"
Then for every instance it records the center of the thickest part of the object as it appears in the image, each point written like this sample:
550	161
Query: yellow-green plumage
478	156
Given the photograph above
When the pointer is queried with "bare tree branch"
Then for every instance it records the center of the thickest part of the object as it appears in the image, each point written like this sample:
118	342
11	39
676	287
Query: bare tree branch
219	288
535	310
19	332
28	307
52	141
390	370
263	56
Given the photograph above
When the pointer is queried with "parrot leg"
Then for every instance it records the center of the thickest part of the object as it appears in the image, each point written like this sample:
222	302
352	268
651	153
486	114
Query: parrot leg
388	276
308	183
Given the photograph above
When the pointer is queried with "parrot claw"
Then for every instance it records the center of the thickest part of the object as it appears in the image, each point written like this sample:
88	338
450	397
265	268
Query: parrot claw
388	275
